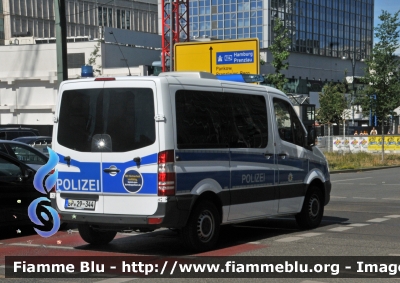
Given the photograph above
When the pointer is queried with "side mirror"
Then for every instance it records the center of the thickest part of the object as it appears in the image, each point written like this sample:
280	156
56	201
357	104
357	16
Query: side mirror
311	138
28	173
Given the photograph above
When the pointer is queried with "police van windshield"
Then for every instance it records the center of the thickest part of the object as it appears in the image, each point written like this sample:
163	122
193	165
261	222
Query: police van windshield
107	120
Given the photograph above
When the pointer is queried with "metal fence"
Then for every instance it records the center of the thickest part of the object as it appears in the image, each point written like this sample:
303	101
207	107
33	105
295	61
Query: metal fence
359	143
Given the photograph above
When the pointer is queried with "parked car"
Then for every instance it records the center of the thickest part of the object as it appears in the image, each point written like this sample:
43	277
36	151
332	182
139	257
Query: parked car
10	133
34	140
39	142
16	193
16	184
24	153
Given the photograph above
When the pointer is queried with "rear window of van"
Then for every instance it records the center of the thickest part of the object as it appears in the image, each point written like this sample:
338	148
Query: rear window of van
107	120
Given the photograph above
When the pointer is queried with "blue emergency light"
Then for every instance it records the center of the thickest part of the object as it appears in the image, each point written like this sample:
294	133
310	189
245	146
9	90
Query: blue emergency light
86	71
241	78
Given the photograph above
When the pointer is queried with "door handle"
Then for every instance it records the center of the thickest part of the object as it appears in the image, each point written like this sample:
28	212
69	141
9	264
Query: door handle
268	155
282	155
68	160
112	170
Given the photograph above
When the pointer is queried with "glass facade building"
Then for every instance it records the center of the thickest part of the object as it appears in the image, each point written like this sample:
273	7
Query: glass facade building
331	28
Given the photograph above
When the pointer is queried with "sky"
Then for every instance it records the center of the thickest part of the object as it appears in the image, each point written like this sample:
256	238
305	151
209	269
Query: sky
391	6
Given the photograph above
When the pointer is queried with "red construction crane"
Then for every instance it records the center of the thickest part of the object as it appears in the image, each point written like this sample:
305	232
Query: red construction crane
175	28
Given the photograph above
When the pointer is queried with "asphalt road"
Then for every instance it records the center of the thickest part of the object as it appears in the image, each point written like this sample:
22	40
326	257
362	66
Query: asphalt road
362	219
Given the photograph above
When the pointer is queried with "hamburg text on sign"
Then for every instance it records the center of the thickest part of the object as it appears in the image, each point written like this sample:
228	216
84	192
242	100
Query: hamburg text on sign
235	57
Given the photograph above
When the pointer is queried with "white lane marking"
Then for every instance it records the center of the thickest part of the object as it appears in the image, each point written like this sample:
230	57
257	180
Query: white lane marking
340	229
309	234
346	183
309	281
337	197
377	220
26	245
60	247
45	246
2	266
392	216
363	198
289	239
254	243
115	280
358	224
368	184
351	179
391	184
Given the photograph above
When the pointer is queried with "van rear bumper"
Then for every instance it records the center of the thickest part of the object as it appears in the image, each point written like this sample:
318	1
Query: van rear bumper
169	212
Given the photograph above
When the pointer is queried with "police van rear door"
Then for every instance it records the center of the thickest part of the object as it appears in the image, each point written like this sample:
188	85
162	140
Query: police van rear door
129	167
79	169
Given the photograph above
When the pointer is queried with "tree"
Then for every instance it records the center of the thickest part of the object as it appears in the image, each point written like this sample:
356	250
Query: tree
333	103
382	73
280	53
93	58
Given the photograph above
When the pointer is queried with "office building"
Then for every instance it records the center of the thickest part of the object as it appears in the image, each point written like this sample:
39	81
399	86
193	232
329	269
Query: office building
36	18
322	32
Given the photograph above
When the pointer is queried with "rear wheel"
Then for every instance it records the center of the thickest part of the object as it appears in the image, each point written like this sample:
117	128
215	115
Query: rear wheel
202	229
313	209
95	237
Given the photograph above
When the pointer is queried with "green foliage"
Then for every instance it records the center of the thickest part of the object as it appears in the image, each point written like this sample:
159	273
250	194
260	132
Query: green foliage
280	54
359	160
332	103
382	73
93	58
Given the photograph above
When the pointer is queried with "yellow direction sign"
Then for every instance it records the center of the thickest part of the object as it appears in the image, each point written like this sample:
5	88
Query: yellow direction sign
219	57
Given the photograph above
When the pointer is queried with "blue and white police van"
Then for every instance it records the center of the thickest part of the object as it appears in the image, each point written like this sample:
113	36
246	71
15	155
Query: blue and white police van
182	150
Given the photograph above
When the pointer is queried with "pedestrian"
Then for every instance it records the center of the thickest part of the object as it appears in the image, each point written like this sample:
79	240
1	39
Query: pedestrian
373	131
355	133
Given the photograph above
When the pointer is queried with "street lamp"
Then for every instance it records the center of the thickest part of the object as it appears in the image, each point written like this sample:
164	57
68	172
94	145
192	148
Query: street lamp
353	65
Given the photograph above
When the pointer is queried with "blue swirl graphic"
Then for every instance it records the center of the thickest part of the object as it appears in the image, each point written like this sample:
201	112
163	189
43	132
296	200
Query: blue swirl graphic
43	171
32	212
37	207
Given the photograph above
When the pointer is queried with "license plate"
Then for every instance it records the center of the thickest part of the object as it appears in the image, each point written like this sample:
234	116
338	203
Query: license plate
80	204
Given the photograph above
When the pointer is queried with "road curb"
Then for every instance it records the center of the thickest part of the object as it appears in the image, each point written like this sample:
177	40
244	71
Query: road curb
363	169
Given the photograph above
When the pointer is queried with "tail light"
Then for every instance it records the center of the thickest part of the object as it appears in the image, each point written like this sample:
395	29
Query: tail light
166	173
104	79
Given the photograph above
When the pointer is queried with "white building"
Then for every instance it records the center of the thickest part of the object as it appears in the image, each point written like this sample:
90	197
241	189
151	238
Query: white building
37	18
28	77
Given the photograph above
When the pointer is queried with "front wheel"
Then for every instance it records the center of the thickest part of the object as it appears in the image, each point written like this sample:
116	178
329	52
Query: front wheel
313	209
202	229
95	237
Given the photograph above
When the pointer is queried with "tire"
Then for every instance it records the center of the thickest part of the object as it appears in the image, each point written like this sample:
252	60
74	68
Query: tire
95	237
313	209
202	229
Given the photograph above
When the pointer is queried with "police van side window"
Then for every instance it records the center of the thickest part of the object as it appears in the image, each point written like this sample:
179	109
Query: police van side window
249	115
289	125
201	119
220	120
